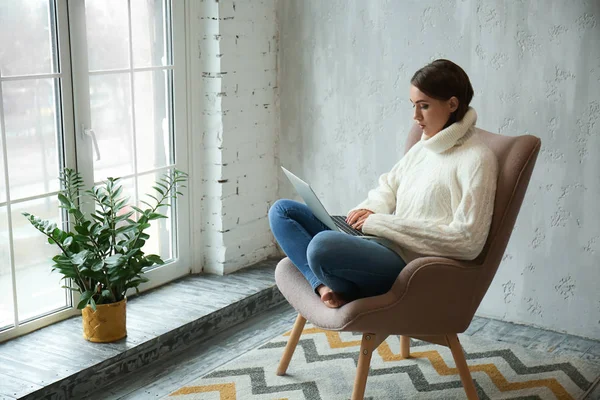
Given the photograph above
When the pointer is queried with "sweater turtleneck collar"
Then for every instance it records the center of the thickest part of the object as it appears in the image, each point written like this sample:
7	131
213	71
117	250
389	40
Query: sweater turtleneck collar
457	133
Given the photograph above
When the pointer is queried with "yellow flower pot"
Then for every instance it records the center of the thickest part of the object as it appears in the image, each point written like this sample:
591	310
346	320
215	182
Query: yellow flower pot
106	324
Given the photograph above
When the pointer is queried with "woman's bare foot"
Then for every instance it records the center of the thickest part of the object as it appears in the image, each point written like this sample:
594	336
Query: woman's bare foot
330	298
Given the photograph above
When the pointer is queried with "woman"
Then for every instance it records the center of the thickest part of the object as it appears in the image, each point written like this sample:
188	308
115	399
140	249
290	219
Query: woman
436	201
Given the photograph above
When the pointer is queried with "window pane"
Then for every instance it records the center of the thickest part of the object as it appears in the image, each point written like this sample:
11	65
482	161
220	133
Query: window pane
6	295
26	38
110	102
30	120
161	231
2	181
107	34
148	31
152	122
38	289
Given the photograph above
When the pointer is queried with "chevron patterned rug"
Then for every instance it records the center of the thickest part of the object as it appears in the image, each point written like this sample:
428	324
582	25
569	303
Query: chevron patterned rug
324	365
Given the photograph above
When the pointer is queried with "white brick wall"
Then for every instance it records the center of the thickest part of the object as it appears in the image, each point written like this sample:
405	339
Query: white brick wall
237	49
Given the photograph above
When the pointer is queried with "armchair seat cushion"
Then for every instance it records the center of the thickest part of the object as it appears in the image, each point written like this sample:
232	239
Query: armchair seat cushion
298	292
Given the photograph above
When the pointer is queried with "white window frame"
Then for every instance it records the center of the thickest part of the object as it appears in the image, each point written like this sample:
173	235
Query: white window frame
71	37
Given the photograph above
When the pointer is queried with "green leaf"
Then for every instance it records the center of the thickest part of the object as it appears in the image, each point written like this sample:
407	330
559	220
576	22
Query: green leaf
80	258
106	293
64	200
97	217
159	190
51	241
96	228
131	253
76	213
85	297
155	259
62	260
137	209
153	216
117	192
114	259
95	277
104	238
92	303
124	216
117	277
135	283
122	203
80	238
126	228
162	182
68	241
71	288
97	266
82	230
146	203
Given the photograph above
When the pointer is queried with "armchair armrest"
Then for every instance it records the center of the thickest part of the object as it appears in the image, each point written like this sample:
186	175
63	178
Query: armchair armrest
432	295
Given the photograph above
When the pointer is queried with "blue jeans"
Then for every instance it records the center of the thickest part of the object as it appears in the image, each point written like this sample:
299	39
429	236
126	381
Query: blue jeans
350	266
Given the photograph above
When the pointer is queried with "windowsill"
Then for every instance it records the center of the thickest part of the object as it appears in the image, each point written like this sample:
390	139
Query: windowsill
160	323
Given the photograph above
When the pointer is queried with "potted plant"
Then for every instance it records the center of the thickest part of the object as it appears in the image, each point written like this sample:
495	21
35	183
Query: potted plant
101	253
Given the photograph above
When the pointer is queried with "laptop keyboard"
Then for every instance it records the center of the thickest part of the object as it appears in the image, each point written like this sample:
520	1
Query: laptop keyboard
340	222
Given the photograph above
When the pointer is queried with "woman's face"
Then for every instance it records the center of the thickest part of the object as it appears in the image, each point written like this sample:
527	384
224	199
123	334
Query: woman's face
431	114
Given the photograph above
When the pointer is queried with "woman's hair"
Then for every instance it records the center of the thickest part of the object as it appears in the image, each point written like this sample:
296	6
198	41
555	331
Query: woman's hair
442	79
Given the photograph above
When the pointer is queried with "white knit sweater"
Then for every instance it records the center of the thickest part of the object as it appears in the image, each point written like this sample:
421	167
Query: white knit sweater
438	199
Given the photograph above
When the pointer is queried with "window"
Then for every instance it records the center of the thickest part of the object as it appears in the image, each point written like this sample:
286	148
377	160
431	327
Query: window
96	85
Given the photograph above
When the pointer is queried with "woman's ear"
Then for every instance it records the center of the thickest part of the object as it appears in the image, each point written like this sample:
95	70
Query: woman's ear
453	103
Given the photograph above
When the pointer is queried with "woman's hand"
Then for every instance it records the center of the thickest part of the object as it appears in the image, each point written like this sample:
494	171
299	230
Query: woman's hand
357	218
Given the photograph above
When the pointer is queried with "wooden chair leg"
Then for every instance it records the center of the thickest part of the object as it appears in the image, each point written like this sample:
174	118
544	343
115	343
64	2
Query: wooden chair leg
405	346
291	345
463	368
367	346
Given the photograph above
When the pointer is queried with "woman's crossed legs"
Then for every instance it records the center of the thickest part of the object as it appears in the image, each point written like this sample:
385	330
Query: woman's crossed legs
339	267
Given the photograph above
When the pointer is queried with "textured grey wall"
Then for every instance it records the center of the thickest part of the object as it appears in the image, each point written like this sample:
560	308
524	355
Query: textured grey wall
344	71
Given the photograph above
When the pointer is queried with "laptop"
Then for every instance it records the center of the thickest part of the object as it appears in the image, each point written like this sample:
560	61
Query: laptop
333	222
